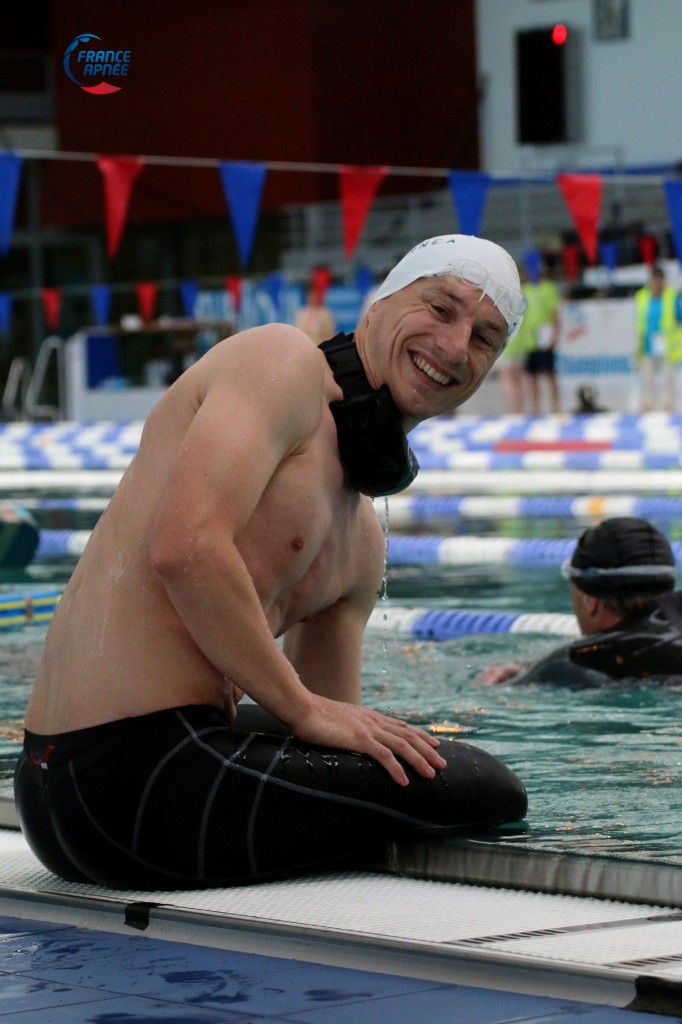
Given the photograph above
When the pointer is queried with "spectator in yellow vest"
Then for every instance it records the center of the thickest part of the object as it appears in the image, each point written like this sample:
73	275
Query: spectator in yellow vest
658	311
542	326
511	364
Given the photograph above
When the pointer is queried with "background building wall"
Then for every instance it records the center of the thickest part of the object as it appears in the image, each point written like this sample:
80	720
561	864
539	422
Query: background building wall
626	88
323	81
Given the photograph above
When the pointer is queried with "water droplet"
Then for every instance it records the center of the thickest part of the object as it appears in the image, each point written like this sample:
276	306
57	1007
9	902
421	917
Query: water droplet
384	590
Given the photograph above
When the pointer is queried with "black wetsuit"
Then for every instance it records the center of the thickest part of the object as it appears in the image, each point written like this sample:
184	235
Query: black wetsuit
177	799
640	647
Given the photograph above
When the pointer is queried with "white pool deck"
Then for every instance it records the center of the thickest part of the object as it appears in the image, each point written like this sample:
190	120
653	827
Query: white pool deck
481	919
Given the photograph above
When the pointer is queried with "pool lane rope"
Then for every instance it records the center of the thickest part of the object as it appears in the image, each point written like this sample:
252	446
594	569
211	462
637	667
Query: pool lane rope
32	608
27	609
402	549
407	510
448	624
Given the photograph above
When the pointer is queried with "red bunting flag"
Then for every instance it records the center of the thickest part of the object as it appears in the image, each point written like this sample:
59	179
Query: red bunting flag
570	255
358	186
146	298
52	304
119	174
648	248
321	279
582	193
233	286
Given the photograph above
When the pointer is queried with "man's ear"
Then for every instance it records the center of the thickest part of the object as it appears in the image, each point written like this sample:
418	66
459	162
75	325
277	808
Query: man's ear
591	605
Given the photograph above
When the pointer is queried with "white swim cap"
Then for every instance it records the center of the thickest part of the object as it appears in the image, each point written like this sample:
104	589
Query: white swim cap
475	260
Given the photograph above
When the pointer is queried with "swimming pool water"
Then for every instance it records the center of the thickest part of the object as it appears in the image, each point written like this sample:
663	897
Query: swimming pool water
603	767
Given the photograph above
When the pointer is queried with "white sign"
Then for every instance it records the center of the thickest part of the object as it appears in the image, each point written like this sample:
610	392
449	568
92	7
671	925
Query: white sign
597	347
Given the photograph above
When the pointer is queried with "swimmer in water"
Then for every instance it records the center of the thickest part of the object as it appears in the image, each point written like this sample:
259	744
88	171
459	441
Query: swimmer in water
621	579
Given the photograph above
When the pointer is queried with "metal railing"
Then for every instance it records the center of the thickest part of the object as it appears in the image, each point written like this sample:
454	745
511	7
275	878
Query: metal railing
24	388
16	387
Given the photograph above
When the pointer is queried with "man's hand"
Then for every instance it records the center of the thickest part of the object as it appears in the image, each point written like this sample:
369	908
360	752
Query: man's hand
353	727
500	673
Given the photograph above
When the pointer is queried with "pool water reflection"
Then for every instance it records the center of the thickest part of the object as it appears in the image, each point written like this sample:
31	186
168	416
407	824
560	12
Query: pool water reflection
603	767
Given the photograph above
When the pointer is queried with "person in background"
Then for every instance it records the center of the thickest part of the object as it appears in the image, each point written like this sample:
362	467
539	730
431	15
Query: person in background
244	518
621	578
511	364
541	327
315	319
587	401
658	315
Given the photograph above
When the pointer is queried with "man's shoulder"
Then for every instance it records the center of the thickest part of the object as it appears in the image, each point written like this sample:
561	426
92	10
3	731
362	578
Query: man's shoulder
275	349
284	336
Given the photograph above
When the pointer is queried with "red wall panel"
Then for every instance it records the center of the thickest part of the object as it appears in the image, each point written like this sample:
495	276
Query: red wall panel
289	80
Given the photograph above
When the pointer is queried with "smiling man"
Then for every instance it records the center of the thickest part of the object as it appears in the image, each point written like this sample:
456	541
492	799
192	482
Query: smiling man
455	302
244	518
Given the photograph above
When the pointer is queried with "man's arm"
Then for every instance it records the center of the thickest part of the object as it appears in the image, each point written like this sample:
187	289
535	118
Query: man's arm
326	648
327	652
262	405
500	673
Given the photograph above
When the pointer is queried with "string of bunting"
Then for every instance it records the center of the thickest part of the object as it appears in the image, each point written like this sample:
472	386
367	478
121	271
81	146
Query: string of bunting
243	184
146	295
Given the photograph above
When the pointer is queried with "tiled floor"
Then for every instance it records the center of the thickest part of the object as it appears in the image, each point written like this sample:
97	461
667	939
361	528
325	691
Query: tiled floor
55	973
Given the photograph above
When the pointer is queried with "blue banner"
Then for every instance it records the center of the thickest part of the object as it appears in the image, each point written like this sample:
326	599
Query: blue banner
10	175
364	280
100	297
469	192
243	186
189	290
5	312
608	254
532	261
258	308
274	284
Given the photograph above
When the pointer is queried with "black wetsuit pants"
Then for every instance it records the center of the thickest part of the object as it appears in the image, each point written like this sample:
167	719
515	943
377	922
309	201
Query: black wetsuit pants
178	799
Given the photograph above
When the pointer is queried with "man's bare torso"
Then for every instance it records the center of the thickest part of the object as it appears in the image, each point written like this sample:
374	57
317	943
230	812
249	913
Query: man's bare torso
117	646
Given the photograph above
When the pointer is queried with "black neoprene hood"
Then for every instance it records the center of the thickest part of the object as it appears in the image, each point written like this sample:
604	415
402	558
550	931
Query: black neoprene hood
372	441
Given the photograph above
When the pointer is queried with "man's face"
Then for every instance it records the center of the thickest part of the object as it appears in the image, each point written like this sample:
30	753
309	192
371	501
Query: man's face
432	343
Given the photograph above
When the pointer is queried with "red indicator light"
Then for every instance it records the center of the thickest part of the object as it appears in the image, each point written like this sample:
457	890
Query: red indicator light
559	35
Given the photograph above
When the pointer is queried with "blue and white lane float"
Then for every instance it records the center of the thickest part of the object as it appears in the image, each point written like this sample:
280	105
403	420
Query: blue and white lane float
475	550
26	609
418	510
652	441
650	431
655	432
69	504
402	550
539	461
436	482
566	481
18	610
448	624
406	510
59	459
68	446
56	545
21	481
